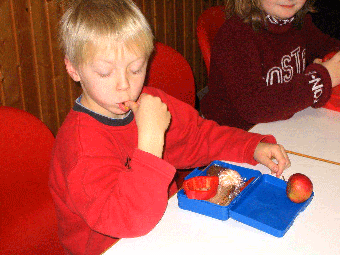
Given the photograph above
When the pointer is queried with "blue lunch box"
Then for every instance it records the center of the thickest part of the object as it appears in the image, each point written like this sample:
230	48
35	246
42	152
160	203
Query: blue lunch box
263	204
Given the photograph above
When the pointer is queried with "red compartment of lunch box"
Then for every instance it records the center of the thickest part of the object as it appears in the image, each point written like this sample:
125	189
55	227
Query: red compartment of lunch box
201	187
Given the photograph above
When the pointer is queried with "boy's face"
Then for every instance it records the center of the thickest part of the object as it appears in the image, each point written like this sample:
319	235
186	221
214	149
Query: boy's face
112	78
282	9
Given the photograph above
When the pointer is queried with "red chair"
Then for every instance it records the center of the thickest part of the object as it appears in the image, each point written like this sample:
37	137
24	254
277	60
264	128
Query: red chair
206	28
170	72
28	222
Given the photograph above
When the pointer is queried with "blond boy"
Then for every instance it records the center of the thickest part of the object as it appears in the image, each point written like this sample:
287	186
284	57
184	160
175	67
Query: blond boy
116	154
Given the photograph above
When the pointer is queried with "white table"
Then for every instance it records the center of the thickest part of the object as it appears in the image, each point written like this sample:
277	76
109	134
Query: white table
314	132
315	231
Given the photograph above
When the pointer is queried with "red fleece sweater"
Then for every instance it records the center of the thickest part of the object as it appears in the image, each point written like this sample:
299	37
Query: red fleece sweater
105	188
266	76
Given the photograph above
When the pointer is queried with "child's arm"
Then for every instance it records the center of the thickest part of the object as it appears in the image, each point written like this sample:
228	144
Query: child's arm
153	119
333	67
265	152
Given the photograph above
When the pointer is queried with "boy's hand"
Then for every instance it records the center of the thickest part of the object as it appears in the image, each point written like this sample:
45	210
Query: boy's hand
333	67
265	152
152	119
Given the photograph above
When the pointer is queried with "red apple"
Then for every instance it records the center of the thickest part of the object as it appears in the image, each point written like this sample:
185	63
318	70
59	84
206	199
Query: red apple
299	188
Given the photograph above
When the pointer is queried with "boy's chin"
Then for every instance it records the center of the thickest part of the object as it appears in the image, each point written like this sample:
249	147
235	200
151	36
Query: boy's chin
118	115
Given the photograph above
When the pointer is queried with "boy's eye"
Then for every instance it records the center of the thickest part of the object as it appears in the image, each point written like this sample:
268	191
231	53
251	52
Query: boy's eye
104	75
136	71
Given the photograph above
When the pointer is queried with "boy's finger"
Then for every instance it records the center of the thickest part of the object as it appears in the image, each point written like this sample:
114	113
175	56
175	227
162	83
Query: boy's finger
317	61
283	159
280	170
132	105
283	162
270	164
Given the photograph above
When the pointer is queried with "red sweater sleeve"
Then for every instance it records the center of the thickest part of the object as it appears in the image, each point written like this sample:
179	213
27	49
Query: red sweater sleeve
192	141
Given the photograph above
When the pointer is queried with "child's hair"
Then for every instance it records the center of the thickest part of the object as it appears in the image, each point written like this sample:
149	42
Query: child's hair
88	26
250	11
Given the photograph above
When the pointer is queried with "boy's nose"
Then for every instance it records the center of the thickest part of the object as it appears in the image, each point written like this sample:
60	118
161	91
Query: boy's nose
123	83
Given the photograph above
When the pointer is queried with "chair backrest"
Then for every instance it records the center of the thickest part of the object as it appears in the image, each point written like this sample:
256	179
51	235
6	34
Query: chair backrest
207	26
170	72
28	223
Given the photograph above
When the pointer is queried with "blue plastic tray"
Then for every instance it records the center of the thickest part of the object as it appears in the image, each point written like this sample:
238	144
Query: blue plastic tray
263	204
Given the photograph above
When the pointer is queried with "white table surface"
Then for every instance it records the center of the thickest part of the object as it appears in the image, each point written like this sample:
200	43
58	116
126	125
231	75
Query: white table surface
314	132
315	231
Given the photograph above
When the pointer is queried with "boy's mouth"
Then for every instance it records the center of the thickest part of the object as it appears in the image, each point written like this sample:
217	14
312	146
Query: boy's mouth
123	107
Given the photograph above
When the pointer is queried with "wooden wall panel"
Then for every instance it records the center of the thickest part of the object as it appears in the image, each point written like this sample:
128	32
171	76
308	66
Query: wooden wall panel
43	61
32	71
179	25
64	91
170	31
159	20
10	77
197	61
188	28
27	57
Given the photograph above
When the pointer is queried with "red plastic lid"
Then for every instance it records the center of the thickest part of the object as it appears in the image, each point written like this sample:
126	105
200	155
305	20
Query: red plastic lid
201	187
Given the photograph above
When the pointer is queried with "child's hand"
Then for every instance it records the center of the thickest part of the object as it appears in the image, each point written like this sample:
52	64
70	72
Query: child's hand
317	61
333	67
152	119
265	152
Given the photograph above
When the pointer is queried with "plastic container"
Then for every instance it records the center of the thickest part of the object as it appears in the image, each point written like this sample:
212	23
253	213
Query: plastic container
201	187
263	204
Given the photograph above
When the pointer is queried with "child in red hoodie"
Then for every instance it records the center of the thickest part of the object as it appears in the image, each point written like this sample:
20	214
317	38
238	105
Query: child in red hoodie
117	151
265	63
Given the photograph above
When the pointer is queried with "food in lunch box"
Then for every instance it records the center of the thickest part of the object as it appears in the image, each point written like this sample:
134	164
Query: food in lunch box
226	175
215	170
230	182
225	194
230	177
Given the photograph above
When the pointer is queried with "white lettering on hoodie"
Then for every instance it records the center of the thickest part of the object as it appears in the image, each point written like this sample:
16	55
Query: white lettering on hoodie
292	63
317	85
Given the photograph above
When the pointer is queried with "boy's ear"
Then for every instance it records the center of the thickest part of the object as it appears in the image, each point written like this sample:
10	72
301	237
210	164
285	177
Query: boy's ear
71	70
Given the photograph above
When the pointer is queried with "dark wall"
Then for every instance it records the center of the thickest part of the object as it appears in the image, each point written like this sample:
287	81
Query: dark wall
328	17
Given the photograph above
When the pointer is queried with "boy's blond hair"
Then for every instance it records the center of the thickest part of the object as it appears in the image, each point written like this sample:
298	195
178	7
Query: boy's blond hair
250	11
89	26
